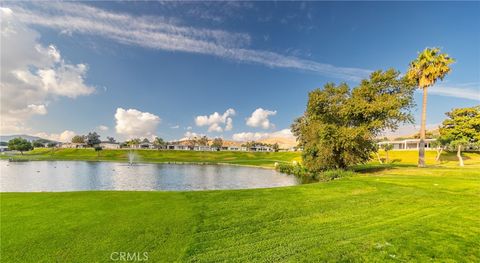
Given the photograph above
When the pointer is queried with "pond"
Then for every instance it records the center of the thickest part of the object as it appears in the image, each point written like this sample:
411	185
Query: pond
56	176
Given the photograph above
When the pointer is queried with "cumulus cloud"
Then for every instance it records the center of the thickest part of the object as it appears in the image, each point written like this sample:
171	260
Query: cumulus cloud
191	135
216	120
133	123
102	128
164	34
259	118
65	136
32	74
256	136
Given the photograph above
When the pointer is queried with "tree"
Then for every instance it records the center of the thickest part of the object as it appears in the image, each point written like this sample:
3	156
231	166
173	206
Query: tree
145	140
134	142
110	139
275	147
387	147
78	139
51	144
203	141
461	129
37	144
92	139
98	149
440	145
159	142
339	126
217	143
425	71
19	144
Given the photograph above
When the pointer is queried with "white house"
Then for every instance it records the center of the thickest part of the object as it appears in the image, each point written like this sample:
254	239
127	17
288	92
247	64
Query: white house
74	145
409	144
110	145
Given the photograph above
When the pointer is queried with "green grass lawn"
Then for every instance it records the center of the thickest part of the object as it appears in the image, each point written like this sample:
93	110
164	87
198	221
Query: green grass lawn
266	159
401	214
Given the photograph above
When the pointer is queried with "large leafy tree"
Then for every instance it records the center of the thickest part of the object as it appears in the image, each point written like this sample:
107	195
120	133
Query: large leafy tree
159	142
92	139
20	144
78	139
339	126
430	66
461	129
217	143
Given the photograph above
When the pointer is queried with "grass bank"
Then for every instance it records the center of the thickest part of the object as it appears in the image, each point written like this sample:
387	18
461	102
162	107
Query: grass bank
400	214
266	159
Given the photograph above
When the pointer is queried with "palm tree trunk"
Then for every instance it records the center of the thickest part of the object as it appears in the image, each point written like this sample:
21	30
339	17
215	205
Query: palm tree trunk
421	146
459	155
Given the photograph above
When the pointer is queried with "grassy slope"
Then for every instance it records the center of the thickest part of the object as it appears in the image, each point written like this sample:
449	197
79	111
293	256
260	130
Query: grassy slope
242	158
401	214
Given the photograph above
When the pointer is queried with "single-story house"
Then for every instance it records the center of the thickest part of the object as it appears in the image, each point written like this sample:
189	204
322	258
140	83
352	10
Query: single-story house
409	144
261	148
110	145
74	145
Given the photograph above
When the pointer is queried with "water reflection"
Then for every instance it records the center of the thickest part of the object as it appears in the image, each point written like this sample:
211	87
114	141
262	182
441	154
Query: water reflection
53	176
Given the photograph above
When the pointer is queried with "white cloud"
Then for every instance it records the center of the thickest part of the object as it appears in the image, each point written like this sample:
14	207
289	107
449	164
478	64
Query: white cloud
32	74
133	123
163	34
175	126
190	135
215	120
65	136
259	118
255	136
102	128
469	91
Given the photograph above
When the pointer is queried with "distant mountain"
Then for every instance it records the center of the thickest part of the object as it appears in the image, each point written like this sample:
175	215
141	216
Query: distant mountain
283	142
6	138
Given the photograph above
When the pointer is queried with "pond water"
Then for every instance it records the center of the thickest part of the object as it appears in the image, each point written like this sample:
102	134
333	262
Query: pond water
55	176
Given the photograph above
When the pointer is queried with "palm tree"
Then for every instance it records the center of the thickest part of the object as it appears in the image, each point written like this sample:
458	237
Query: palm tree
424	71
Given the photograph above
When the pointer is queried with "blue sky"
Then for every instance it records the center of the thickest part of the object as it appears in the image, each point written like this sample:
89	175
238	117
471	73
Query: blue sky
128	69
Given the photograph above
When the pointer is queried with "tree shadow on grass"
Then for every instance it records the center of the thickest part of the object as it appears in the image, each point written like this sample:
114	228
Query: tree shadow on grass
375	168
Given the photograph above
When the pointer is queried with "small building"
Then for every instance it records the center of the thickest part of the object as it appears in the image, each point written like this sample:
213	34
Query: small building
73	145
409	144
261	148
110	145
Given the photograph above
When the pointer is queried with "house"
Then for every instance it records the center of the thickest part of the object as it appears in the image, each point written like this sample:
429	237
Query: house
3	148
260	148
408	144
110	145
74	145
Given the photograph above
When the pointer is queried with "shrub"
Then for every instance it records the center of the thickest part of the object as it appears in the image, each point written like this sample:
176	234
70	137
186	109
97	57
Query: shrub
303	173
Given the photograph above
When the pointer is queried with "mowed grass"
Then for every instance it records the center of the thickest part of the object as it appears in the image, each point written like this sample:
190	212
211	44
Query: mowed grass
265	159
386	213
401	214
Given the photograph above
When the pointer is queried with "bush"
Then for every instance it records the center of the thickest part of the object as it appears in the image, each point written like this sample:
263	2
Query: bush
302	172
294	169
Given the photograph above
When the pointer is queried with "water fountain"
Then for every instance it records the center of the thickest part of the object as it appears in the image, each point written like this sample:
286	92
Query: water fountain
131	157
